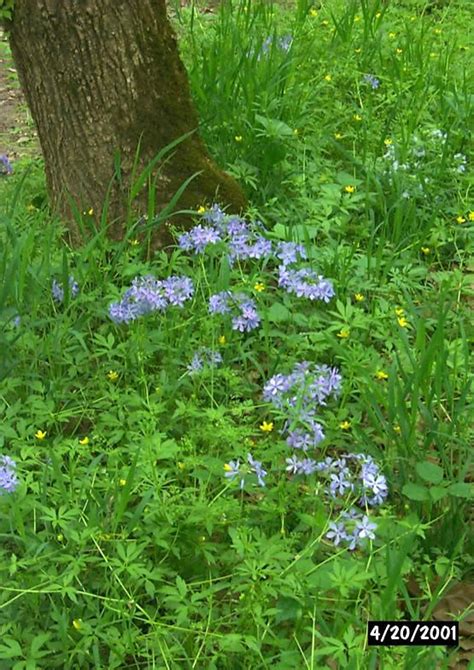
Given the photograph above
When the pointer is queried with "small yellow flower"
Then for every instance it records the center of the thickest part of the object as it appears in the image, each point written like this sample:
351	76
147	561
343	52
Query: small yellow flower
60	537
358	50
328	77
227	467
238	138
392	36
460	219
381	374
345	425
296	131
31	208
77	623
85	440
359	297
432	54
437	31
402	322
357	117
425	250
134	242
325	22
259	287
398	51
122	482
181	465
266	427
313	13
201	209
470	216
378	15
412	18
338	136
40	434
349	189
388	142
396	428
356	18
112	375
399	311
221	339
344	333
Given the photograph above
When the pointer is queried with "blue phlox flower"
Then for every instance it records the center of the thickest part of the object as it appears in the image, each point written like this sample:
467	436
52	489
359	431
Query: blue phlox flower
57	289
372	81
202	358
339	485
215	216
365	528
8	478
337	532
290	252
293	465
257	468
178	290
5	165
219	303
232	470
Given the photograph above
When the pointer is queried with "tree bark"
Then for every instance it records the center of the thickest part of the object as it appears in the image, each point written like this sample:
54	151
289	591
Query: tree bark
105	76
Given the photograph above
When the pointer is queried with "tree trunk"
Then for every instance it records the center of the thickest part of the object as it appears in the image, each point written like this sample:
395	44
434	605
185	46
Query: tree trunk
105	76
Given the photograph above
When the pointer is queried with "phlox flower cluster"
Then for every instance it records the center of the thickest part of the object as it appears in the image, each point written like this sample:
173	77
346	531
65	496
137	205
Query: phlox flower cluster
8	478
305	283
57	289
372	81
204	358
5	165
236	470
148	294
242	308
352	529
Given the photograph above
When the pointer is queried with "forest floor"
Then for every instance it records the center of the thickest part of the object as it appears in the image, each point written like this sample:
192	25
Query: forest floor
18	137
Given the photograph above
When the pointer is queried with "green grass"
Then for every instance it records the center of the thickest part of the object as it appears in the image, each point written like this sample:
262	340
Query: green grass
124	545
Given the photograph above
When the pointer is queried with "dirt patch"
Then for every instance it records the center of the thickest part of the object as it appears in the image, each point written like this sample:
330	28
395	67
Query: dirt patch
18	137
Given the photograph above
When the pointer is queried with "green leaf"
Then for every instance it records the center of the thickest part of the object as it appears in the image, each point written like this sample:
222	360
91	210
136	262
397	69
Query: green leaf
278	312
9	648
461	490
416	492
438	492
430	472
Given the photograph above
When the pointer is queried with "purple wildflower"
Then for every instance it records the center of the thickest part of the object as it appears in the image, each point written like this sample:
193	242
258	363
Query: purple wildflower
178	290
257	467
372	81
288	252
365	528
337	532
8	478
219	303
5	165
57	289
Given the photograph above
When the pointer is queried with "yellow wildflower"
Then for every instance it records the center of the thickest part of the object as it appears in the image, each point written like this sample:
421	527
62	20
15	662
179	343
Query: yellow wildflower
345	425
296	131
181	465
266	427
313	13
399	311
60	537
328	77
134	242
238	138
359	297
344	332
349	189
425	250
356	18
470	216
460	219
77	623
325	22
112	375
221	339
387	141
392	35
227	467
85	440
259	287
122	482
378	15
402	322
40	434
437	31
396	428
357	117
381	374
201	209
357	51
399	51
31	208
338	136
